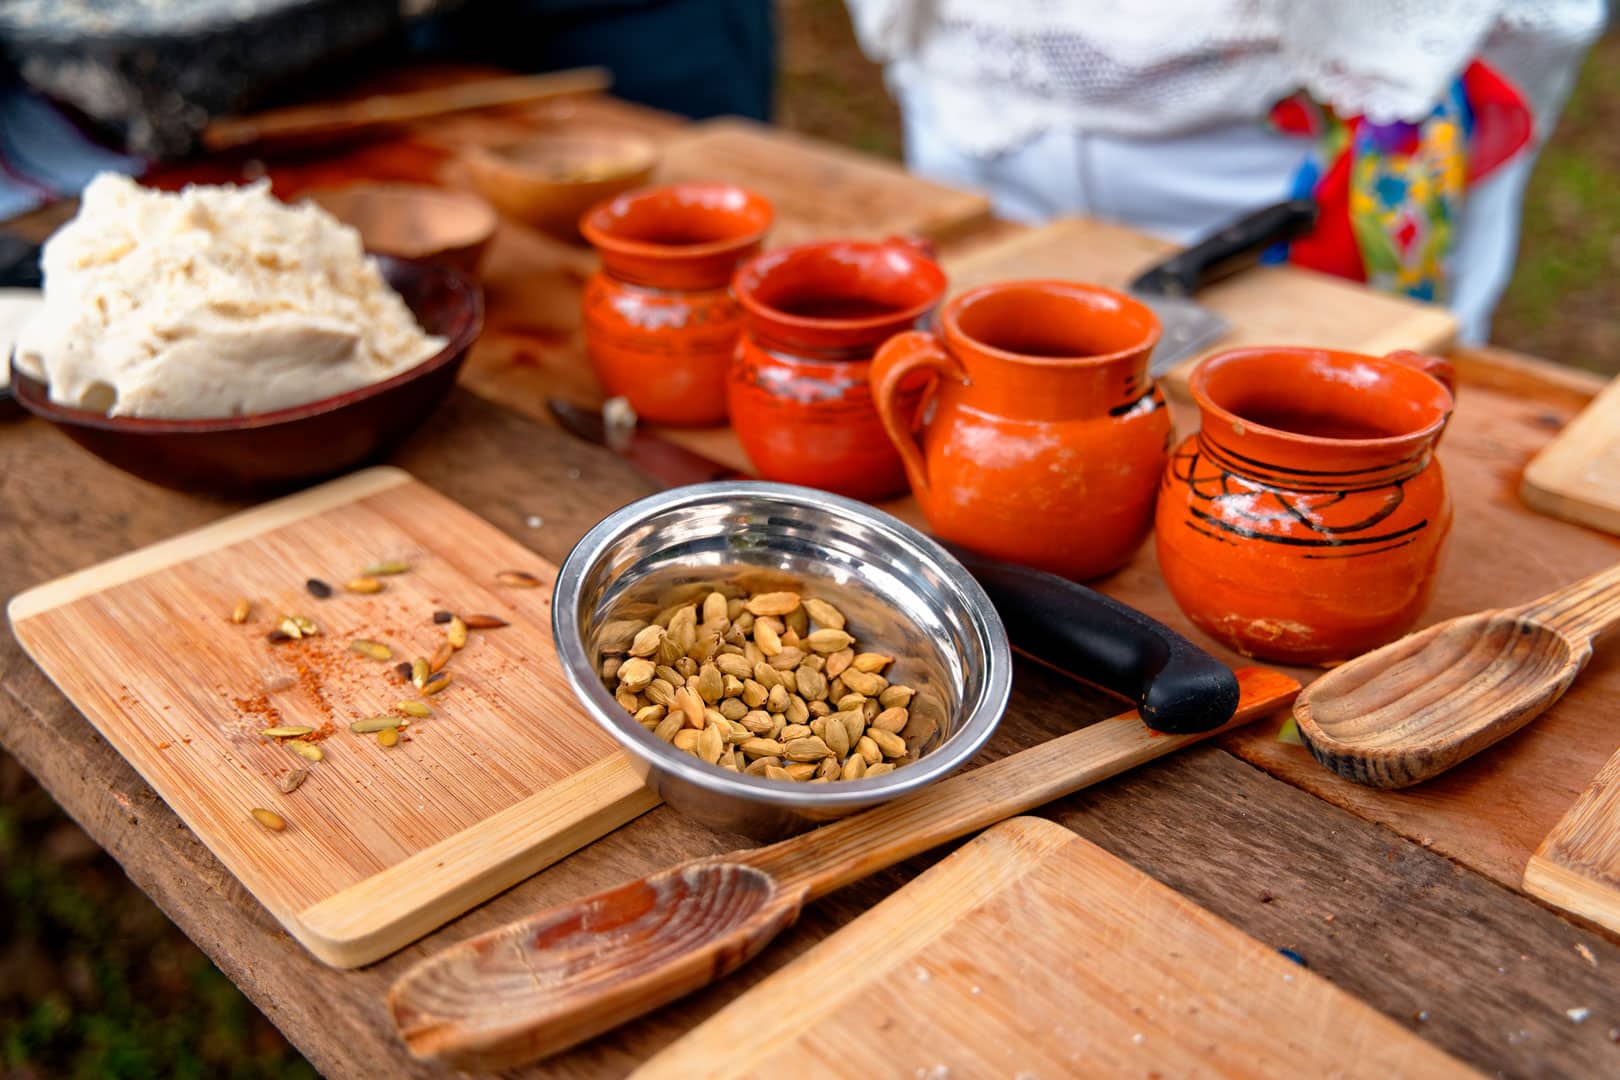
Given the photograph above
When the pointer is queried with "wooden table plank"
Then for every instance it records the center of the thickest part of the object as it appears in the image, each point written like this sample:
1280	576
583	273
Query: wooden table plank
1411	930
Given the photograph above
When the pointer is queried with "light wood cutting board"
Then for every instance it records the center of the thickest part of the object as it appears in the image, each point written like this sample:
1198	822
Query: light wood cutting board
1266	305
1033	953
820	191
1577	476
382	845
1577	867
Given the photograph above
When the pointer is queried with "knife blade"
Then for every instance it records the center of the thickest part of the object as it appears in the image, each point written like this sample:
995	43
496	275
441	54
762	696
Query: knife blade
1176	686
1187	327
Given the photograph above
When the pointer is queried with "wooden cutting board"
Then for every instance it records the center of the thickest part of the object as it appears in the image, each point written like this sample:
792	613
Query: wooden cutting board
382	845
1031	952
1577	476
1577	867
820	190
1266	305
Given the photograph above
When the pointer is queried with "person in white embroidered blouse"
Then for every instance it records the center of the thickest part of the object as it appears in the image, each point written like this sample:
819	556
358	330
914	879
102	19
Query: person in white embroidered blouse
1154	113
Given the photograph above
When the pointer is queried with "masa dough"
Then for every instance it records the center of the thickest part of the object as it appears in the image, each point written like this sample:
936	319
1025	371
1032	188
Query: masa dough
212	302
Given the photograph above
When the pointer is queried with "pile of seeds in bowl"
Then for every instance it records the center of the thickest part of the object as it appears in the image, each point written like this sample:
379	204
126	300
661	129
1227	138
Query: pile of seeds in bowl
771	684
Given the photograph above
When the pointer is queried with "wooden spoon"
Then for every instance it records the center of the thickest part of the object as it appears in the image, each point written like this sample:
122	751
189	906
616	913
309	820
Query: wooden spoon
546	982
1415	708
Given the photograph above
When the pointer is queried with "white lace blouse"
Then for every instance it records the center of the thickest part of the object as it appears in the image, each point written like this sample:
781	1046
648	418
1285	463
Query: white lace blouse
1007	70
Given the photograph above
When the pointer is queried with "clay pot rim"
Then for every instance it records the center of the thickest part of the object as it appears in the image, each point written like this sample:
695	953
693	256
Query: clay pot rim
1198	380
958	337
601	239
900	318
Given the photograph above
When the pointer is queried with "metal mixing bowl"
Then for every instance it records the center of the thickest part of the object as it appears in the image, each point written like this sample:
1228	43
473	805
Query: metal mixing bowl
900	591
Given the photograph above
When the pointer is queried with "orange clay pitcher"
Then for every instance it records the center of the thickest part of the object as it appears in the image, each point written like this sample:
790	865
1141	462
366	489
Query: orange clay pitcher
1304	523
660	319
1041	439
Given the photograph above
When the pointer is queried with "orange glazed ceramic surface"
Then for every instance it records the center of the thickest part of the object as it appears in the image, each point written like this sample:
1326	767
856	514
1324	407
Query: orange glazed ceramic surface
1304	522
798	393
1041	438
660	319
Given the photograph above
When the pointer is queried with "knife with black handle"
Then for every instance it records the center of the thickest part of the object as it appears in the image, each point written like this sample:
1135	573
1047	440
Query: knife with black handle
1177	687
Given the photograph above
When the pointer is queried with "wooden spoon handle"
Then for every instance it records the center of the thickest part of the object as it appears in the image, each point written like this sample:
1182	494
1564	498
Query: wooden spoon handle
1584	609
848	850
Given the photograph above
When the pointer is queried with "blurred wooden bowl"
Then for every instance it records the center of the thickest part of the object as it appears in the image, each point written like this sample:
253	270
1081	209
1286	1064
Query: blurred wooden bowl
549	181
414	221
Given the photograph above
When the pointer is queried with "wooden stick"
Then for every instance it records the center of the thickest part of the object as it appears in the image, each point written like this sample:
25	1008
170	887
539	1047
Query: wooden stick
330	118
549	981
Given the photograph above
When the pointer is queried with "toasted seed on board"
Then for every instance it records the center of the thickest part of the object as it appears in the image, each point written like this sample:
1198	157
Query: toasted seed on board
484	622
437	683
318	588
385	568
419	709
374	650
420	672
268	818
456	633
403	670
388	737
364	585
278	635
377	723
305	624
286	731
290	781
289	628
243	608
306	750
518	579
441	656
442	617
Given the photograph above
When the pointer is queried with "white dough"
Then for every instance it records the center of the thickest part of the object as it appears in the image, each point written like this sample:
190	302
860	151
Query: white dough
216	301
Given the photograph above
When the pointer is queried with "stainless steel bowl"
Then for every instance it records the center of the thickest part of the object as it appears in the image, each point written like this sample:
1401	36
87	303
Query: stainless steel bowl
901	592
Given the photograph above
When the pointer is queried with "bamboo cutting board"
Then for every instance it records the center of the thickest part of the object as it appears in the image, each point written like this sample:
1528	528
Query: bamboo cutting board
1033	953
382	845
1577	476
1577	867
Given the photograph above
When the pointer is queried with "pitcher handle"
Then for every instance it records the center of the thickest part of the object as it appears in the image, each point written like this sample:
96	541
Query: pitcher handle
899	357
1437	366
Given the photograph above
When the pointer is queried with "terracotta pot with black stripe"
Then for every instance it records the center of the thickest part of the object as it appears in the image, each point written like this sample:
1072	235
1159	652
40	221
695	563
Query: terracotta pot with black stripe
1039	438
1304	522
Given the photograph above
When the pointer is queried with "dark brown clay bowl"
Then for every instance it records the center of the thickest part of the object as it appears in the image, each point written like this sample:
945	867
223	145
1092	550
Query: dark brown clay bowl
282	449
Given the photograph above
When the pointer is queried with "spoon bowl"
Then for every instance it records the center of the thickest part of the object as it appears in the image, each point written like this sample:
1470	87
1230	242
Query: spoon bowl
1414	708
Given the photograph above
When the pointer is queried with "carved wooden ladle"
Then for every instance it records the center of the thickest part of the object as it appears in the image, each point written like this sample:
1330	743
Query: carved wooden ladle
1415	708
556	978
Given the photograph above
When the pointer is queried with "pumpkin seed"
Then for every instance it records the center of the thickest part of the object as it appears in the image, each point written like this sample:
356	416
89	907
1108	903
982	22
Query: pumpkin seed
306	750
377	723
374	650
290	781
268	818
386	568
318	588
286	731
518	579
484	622
420	672
388	737
240	613
436	683
456	633
418	709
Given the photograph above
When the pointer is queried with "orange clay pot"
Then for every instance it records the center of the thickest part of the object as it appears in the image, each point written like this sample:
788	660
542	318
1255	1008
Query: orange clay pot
660	319
798	392
1304	522
1042	439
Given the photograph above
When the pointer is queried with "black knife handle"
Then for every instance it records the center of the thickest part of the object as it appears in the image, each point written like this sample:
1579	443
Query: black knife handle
1178	687
1228	249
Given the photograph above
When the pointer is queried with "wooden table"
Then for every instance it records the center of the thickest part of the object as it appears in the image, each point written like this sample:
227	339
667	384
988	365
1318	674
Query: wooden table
1445	949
